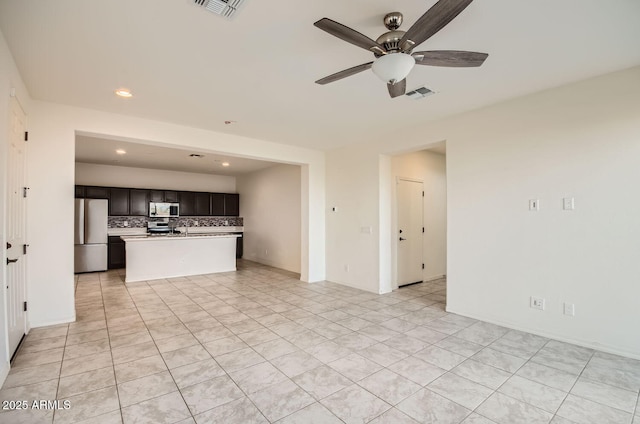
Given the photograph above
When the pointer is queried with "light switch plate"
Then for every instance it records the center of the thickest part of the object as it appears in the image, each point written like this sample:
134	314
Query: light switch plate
569	309
568	204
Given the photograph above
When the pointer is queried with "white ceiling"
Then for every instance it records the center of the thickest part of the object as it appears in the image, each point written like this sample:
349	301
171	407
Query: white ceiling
189	66
103	151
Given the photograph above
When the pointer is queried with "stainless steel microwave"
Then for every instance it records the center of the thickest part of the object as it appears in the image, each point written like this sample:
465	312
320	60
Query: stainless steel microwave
164	210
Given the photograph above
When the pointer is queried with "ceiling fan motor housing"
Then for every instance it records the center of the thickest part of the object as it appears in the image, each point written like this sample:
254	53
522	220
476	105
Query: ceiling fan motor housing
390	41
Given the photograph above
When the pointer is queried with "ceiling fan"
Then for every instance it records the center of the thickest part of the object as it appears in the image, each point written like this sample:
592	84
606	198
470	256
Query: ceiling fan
393	50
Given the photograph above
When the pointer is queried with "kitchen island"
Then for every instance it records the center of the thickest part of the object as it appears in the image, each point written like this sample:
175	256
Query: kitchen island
155	257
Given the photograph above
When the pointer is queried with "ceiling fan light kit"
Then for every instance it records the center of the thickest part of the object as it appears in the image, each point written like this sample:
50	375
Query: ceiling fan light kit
393	67
393	50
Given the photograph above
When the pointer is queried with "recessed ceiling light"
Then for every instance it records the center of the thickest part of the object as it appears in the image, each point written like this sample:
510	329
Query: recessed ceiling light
124	92
121	151
225	164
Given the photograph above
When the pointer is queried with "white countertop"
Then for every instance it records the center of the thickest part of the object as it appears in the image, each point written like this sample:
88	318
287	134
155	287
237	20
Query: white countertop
192	230
183	236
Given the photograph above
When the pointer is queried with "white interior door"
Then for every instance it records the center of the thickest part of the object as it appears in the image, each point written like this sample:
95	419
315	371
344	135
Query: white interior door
16	226
410	226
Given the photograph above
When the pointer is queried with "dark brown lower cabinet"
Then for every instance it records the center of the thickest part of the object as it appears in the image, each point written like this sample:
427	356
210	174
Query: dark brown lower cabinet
239	246
116	253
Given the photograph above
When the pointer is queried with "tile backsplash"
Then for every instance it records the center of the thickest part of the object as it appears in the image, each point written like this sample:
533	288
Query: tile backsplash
203	221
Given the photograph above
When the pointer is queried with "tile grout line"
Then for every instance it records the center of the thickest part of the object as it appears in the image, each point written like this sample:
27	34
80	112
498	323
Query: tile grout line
291	378
53	416
636	411
514	373
113	365
574	385
213	358
248	282
156	346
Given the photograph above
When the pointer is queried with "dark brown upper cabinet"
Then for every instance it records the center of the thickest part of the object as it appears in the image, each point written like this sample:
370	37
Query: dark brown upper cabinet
232	205
138	202
217	204
119	202
135	201
169	196
96	192
203	204
187	201
79	192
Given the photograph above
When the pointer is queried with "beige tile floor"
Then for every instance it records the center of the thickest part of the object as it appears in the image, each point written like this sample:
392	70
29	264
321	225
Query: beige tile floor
258	346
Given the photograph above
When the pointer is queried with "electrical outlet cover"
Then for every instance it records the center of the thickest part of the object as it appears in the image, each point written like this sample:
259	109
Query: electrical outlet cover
537	303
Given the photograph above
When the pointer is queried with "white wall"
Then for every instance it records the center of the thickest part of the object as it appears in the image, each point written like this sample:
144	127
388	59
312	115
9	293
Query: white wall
52	168
580	140
270	205
121	176
353	189
430	168
9	79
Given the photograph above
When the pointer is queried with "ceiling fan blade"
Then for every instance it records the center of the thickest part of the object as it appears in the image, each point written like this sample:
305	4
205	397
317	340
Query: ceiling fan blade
397	89
343	74
434	19
450	58
349	35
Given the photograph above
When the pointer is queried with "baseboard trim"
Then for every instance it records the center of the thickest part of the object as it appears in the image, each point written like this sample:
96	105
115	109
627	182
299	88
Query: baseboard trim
549	335
268	263
4	372
38	324
353	286
435	277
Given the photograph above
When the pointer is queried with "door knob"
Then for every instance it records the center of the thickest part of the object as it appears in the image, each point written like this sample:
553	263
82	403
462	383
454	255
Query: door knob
10	261
402	239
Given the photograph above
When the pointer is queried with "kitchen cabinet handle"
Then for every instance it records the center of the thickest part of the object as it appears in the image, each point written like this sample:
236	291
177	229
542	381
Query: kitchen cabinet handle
402	239
9	245
10	261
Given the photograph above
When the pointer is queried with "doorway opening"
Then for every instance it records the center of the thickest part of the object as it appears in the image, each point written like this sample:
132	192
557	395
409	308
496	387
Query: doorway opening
416	173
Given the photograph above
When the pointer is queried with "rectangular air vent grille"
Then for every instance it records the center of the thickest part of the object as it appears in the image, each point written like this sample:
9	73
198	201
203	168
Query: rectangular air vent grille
226	8
420	93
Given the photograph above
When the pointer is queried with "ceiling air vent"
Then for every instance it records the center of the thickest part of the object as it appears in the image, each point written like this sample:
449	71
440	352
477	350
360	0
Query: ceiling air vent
226	8
420	93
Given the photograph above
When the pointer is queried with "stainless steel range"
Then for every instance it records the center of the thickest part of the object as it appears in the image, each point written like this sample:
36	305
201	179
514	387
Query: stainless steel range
161	227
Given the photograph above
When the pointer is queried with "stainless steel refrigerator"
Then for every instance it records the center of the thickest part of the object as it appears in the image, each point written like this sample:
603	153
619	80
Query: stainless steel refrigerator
90	250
